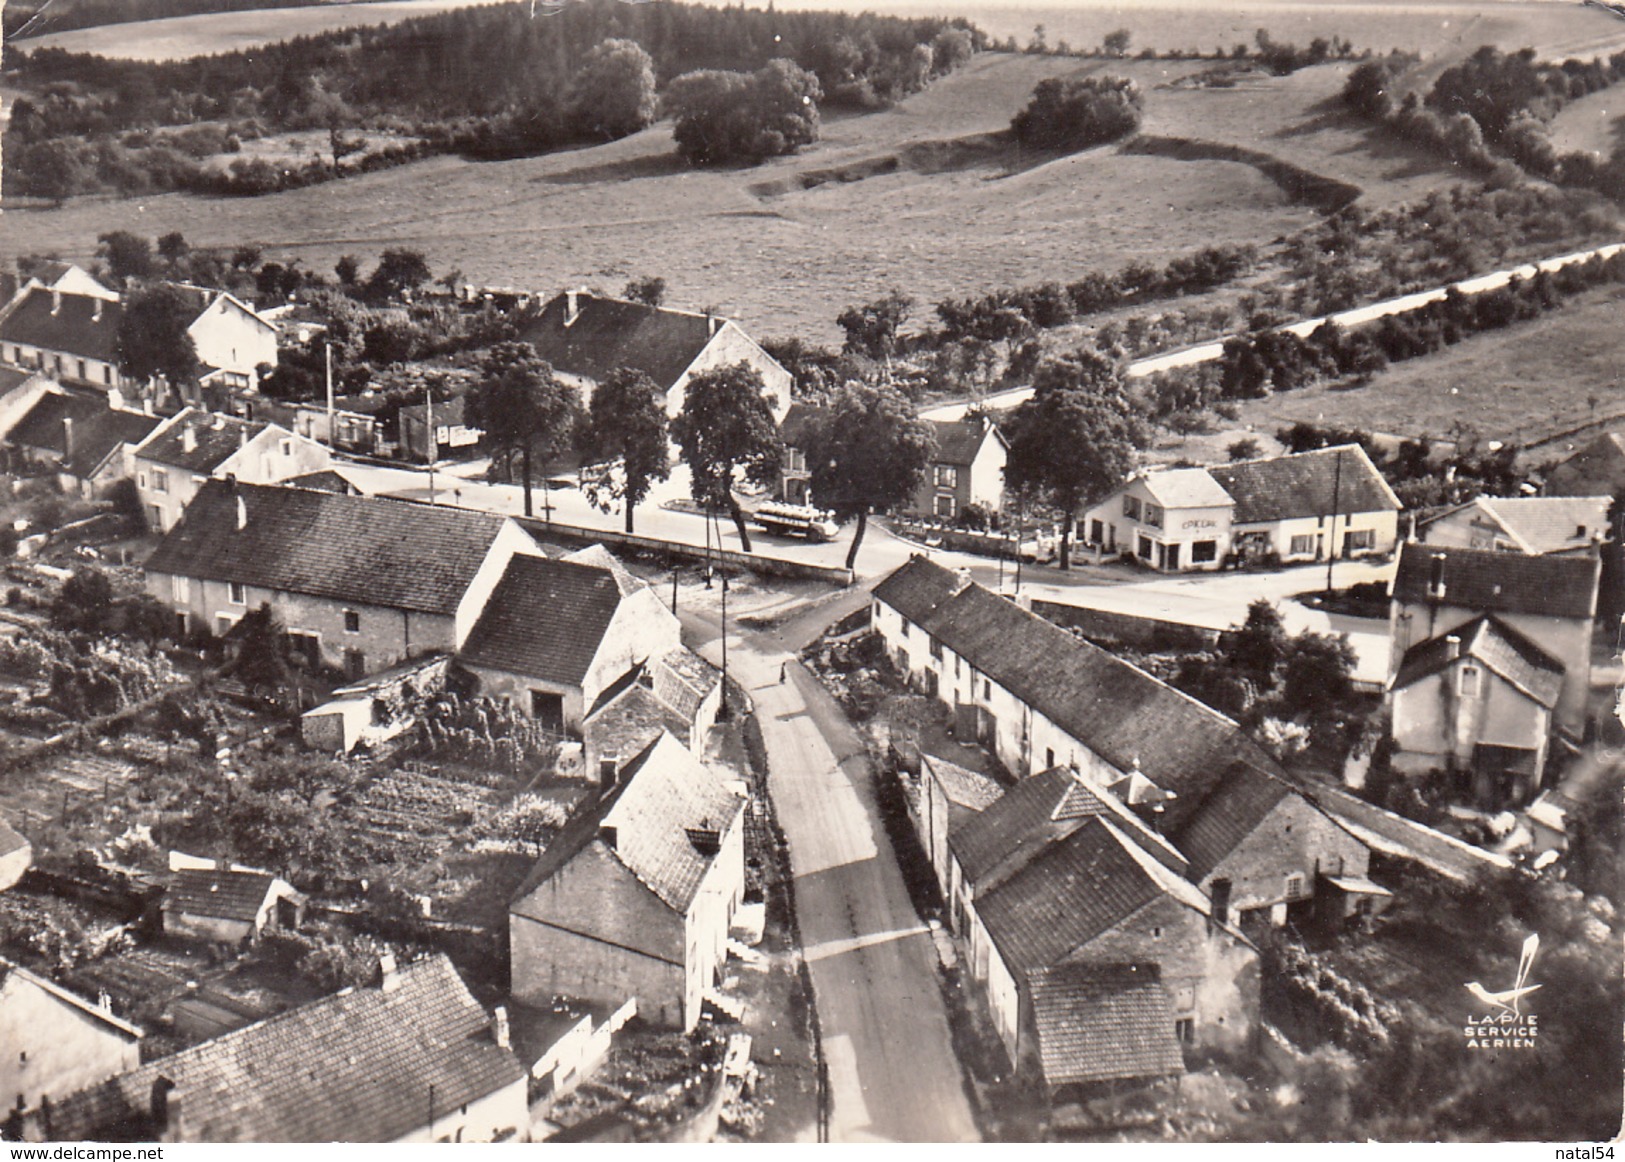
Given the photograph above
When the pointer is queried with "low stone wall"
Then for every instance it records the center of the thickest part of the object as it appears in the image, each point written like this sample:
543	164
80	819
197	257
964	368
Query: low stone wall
1127	629
748	562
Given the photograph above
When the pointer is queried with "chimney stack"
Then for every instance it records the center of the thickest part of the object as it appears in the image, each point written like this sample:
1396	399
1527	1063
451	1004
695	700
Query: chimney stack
571	310
1436	576
96	310
56	302
188	438
242	513
606	835
1452	647
67	437
389	975
500	1032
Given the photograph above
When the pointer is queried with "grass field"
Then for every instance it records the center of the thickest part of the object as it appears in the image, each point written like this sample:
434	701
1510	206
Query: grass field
1595	123
1520	384
918	197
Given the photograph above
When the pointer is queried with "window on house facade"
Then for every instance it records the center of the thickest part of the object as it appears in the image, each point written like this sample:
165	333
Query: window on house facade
1471	678
160	480
1145	548
286	447
1097	532
140	479
83	370
1294	886
987	688
352	621
1185	1030
1131	507
180	589
1302	545
1204	551
1153	515
947	476
107	374
1049	758
944	506
1358	540
936	649
235	593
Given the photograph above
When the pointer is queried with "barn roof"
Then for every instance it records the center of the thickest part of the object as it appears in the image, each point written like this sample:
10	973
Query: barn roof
1341	479
1494	582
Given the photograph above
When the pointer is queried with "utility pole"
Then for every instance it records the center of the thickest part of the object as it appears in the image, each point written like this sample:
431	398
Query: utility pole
332	440
1331	544
428	432
674	591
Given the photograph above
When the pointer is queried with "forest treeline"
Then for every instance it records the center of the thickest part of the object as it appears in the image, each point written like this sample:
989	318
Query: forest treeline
490	81
41	17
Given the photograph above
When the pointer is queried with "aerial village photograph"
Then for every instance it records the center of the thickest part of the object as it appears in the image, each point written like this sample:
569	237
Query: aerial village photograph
797	571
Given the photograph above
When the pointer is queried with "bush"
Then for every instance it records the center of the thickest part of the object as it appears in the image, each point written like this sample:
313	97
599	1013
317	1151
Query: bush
730	117
1075	113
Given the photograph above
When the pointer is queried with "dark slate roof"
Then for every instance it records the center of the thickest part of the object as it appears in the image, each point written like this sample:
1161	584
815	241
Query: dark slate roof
1501	649
367	550
1307	484
1117	710
1103	1023
610	333
664	793
327	480
216	438
1008	832
222	895
357	1066
628	717
1229	813
918	588
11	840
1491	582
73	330
798	422
97	429
12	378
1072	891
545	619
41	425
95	441
1598	467
958	441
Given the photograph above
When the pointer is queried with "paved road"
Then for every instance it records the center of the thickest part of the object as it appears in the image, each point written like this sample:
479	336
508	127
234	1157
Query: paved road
1208	352
893	1075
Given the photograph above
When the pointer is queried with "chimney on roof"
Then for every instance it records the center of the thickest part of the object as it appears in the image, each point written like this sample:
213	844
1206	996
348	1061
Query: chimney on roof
242	436
188	438
712	324
571	310
1452	647
1436	576
606	835
96	310
500	1032
67	437
56	301
165	1108
609	770
389	973
242	513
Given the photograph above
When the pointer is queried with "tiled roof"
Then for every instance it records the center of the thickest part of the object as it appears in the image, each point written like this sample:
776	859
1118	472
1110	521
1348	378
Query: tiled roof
97	429
358	1066
958	441
1548	524
327	480
10	839
1501	649
1491	582
664	793
83	326
41	425
629	716
98	439
215	439
1186	488
372	551
960	786
602	558
12	378
918	587
1069	893
1598	467
1117	710
545	619
1228	815
446	411
611	333
222	895
1103	1023
1317	483
684	680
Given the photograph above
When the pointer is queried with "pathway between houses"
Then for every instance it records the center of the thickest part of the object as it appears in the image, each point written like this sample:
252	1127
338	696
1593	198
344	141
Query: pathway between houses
893	1075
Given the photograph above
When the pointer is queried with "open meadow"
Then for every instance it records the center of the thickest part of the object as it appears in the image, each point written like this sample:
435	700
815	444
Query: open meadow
922	197
1525	383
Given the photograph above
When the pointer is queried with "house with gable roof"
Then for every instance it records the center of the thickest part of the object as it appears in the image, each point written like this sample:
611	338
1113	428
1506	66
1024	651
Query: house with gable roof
71	337
232	339
1291	509
85	440
1490	662
1533	525
56	1042
195	446
413	1058
359	583
67	278
229	905
633	898
968	468
586	336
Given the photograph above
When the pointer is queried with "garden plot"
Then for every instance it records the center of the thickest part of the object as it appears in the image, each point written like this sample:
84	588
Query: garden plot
417	805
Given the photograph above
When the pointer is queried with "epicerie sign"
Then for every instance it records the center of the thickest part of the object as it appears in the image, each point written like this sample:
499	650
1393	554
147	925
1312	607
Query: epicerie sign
1198	523
1505	1025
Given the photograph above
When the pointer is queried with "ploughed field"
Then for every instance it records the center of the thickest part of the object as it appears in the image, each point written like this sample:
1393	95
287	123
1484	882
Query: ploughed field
928	197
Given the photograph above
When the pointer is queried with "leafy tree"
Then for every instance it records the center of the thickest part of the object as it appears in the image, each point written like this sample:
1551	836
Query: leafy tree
867	450
84	602
398	271
1077	112
872	328
950	48
1318	673
53	169
649	291
628	419
152	338
1246	448
1075	439
726	117
348	269
523	407
1259	646
1116	43
128	256
613	93
263	657
174	249
726	426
